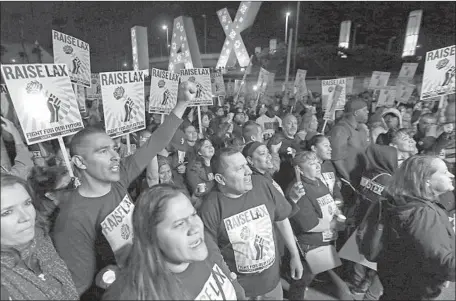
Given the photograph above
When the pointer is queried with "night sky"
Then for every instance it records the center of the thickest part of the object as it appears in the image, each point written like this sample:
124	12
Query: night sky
106	25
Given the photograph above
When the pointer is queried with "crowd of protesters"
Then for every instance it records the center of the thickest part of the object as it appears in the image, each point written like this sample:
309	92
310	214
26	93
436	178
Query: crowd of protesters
232	211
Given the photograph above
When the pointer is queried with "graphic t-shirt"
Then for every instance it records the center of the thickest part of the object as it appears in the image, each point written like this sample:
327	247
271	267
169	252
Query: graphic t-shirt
202	280
245	233
91	233
328	177
316	203
269	125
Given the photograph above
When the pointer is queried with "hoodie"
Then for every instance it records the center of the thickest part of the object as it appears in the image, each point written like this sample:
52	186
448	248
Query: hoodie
418	254
381	164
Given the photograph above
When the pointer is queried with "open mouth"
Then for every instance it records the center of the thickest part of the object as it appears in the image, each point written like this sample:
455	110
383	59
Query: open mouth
248	180
115	168
196	244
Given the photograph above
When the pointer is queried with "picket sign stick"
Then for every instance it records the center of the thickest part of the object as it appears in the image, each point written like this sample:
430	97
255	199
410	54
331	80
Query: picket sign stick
199	120
324	125
127	136
243	79
65	156
162	118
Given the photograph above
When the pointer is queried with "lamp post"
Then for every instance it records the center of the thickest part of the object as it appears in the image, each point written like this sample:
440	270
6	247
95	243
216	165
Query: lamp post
165	27
205	34
286	27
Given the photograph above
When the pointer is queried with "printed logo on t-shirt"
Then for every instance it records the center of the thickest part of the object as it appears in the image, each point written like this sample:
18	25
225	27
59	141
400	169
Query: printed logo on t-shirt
372	186
328	209
117	226
271	126
251	236
329	179
217	287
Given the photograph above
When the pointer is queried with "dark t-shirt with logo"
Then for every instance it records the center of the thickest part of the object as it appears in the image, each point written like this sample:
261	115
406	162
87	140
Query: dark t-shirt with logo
245	233
91	233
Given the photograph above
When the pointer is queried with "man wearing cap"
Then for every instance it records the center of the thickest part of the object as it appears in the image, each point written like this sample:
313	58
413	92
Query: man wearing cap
349	139
242	215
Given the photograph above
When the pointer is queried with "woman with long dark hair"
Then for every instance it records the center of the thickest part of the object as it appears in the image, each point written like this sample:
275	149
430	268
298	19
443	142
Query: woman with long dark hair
199	172
418	254
171	257
31	268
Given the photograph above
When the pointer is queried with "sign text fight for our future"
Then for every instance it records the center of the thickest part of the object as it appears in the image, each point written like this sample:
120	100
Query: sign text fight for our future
34	71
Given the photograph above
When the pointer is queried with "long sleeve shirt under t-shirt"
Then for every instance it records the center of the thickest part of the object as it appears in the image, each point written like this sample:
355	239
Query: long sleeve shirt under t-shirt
244	230
91	233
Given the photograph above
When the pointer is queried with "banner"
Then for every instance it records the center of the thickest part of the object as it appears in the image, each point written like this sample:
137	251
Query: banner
387	97
75	54
94	92
44	100
218	85
123	102
327	90
378	80
403	91
201	77
80	97
140	48
439	71
230	88
163	91
349	85
408	71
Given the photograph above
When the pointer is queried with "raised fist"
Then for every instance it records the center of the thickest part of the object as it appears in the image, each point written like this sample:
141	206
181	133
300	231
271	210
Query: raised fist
448	76
128	106
187	91
53	104
166	97
76	65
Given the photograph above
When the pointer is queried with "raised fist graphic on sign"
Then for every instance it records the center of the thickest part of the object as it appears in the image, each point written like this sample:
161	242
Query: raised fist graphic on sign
448	76
119	94
76	61
53	102
199	87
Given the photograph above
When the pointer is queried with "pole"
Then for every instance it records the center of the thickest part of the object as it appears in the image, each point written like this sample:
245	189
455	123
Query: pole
298	7
167	40
65	156
287	72
286	29
205	34
199	120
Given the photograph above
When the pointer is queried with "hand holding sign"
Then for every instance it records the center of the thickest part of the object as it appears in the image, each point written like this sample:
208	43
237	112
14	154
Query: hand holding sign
187	92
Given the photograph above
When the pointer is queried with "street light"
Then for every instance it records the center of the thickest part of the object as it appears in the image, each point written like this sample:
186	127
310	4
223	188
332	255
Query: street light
167	37
286	27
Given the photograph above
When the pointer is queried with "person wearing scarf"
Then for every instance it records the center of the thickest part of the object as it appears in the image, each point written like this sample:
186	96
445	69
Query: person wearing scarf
30	266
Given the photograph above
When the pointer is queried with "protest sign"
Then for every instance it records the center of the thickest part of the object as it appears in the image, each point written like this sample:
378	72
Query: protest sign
123	102
330	109
349	85
80	97
366	82
94	92
408	71
75	54
378	80
328	89
4	101
44	100
387	97
300	86
403	91
163	91
439	73
201	77
218	85
263	80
